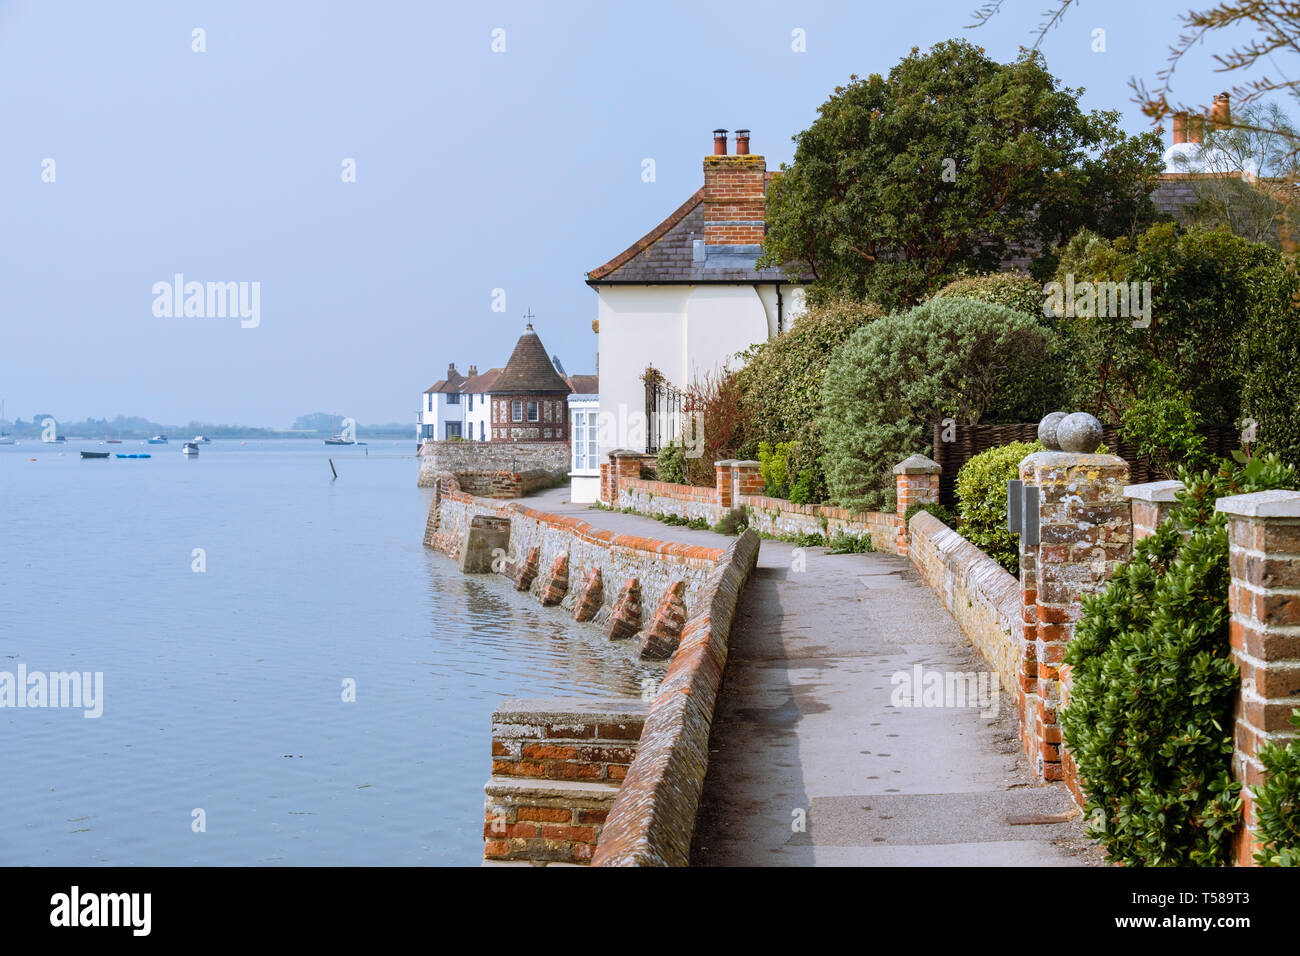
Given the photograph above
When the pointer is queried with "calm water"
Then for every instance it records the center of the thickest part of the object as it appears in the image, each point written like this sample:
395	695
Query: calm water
222	689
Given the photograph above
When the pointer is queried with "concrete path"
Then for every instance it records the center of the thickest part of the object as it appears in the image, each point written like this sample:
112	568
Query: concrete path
806	729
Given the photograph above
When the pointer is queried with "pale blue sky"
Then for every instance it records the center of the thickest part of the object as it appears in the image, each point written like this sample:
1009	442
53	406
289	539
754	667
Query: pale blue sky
475	171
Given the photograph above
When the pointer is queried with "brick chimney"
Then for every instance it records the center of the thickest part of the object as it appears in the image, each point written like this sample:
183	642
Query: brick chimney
1220	112
473	370
1180	127
733	193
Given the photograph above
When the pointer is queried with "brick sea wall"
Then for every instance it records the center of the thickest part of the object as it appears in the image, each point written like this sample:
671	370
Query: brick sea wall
466	457
653	817
556	768
656	565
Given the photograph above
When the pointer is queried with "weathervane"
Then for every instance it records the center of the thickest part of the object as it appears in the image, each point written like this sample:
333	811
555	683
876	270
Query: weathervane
529	317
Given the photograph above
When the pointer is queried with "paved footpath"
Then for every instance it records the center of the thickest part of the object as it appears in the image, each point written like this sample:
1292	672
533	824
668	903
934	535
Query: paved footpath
805	723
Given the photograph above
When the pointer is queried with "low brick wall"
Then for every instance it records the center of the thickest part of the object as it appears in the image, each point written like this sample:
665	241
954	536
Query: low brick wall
778	517
472	457
556	768
653	816
773	516
656	565
982	597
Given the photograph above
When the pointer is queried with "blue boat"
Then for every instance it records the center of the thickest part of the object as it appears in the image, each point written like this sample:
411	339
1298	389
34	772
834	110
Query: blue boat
158	440
135	456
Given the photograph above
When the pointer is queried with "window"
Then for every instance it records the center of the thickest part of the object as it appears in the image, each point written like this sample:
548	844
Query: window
430	398
471	402
516	411
481	432
532	411
586	446
453	398
453	429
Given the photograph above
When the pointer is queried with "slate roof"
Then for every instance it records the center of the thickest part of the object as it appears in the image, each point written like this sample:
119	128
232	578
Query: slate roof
452	383
529	369
666	254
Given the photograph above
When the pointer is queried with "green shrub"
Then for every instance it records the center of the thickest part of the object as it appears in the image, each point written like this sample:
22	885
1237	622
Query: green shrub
809	540
934	508
1015	290
781	381
982	501
1150	717
1222	330
1277	803
774	466
672	465
888	384
845	543
1163	426
733	522
698	524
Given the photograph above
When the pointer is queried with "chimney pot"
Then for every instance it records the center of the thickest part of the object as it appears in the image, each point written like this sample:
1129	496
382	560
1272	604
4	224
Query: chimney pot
719	142
1220	112
473	370
451	368
742	142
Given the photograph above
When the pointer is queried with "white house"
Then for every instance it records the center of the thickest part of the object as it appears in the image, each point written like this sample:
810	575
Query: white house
686	298
458	406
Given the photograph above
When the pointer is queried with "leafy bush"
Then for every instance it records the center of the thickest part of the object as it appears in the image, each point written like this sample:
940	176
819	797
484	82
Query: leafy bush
932	507
1269	358
1150	717
845	543
893	379
774	466
809	540
1277	803
982	501
781	381
733	522
1015	290
809	488
1163	425
713	405
672	464
1210	292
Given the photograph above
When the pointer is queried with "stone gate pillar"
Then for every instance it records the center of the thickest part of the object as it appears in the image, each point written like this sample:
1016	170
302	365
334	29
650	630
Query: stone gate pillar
1084	529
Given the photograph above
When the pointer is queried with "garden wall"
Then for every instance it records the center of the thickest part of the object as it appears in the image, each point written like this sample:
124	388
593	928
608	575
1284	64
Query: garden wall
738	485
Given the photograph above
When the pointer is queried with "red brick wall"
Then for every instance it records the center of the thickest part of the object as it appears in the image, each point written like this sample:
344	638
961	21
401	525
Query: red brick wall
733	194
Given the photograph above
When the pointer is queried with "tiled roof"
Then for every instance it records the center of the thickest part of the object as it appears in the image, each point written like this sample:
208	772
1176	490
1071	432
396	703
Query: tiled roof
584	384
481	384
666	254
529	369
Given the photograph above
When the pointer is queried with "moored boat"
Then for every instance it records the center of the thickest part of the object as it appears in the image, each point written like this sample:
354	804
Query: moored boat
94	454
190	449
158	440
135	455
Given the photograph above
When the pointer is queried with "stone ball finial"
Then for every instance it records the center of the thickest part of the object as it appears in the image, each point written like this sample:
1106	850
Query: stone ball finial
1047	430
1079	432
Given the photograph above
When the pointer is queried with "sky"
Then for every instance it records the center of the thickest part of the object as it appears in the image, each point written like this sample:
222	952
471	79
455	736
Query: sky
475	171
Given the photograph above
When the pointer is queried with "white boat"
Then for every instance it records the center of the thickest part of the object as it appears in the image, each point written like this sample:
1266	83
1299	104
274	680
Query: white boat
190	448
202	440
4	439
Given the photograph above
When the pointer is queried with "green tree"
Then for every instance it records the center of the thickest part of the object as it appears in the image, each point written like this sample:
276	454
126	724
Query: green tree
949	163
888	384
